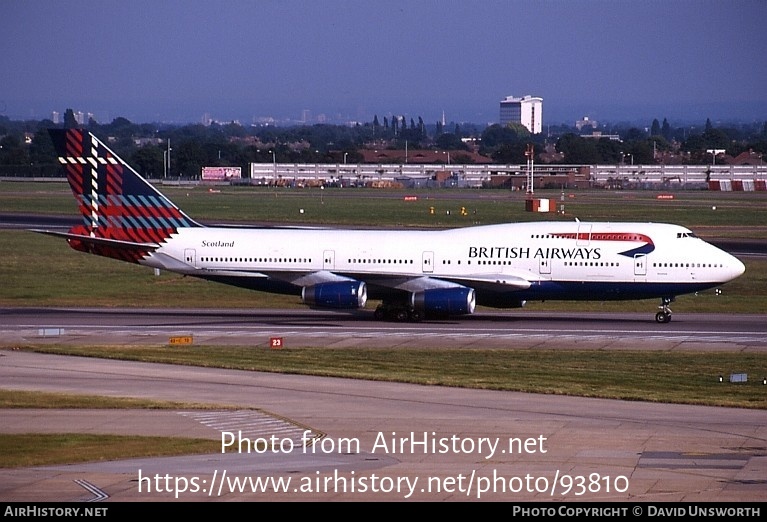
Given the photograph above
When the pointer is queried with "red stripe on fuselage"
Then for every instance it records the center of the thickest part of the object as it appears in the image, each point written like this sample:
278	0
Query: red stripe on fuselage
605	236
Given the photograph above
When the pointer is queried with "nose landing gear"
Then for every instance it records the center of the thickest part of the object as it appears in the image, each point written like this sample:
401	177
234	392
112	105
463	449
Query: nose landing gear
664	315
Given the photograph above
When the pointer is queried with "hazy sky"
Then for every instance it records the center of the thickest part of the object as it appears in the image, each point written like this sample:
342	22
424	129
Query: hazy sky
174	60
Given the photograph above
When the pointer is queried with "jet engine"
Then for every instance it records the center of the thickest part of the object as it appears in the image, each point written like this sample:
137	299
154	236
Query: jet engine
444	301
339	295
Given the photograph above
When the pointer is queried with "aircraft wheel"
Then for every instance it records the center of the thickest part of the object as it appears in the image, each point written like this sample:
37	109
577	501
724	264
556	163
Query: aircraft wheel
400	315
662	317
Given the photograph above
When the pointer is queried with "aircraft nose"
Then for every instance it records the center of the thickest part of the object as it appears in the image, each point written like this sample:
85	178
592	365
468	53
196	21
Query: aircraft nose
735	267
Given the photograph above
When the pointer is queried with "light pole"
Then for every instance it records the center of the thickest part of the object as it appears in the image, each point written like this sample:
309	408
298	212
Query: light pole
167	171
274	164
345	154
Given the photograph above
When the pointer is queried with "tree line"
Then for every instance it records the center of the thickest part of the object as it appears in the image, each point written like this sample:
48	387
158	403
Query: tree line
25	145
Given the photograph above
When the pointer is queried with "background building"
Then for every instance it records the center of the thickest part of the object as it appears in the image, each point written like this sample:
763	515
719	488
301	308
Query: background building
527	110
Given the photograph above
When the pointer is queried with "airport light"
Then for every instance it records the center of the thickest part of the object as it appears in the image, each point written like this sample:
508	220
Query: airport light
345	154
274	163
167	171
714	153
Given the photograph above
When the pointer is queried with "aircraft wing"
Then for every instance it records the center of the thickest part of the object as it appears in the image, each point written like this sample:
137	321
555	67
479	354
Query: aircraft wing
480	282
311	278
496	282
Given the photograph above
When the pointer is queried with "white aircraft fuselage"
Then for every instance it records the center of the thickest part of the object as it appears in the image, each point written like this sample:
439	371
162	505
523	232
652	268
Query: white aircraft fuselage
414	272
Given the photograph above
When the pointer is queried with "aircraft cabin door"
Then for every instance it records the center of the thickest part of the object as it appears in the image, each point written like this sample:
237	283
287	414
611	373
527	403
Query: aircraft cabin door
544	266
427	262
329	260
640	265
190	257
584	235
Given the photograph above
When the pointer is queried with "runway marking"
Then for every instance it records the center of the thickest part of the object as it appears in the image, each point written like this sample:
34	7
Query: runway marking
98	493
679	460
253	424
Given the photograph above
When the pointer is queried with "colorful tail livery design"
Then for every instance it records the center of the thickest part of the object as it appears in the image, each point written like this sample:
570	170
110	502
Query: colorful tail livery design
124	217
414	273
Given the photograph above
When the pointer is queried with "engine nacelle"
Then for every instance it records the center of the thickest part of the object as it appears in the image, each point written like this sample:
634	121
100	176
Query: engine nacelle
339	295
445	301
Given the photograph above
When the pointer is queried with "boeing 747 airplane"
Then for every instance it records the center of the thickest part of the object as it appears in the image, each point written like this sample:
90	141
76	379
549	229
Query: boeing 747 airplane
413	273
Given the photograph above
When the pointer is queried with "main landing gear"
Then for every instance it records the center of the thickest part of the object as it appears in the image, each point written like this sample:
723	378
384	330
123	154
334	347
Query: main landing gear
398	312
664	315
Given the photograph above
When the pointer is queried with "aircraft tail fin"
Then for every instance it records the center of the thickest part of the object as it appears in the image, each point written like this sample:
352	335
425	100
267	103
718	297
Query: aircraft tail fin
118	206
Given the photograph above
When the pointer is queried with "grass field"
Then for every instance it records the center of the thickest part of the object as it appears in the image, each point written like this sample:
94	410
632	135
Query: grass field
744	213
46	273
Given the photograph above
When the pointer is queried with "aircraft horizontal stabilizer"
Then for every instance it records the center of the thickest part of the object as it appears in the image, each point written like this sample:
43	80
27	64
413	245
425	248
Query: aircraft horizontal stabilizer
230	273
101	241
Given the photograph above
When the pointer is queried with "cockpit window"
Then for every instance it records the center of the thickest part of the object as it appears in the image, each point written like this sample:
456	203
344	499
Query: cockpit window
685	234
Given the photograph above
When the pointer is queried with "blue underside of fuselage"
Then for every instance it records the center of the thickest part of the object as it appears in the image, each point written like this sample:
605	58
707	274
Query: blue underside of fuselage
591	291
544	291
